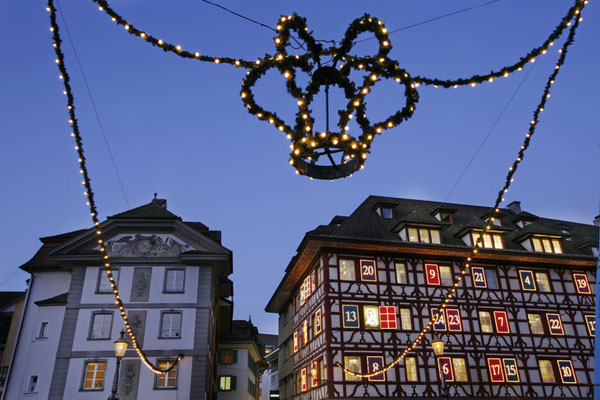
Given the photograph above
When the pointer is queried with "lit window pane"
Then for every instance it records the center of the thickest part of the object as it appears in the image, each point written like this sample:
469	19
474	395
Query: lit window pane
487	241
411	369
225	383
498	242
371	316
435	236
94	375
476	237
485	321
460	370
546	371
424	235
401	273
547	245
352	363
405	319
542	281
168	379
347	270
446	275
535	324
556	246
537	245
412	235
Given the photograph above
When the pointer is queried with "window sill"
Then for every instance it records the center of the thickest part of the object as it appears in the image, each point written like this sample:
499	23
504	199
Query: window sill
169	337
165	388
95	339
170	292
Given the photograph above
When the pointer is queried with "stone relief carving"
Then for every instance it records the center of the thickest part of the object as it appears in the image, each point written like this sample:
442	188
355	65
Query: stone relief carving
129	378
145	246
140	290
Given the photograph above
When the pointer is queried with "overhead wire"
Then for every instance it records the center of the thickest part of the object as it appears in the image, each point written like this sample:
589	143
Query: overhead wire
87	86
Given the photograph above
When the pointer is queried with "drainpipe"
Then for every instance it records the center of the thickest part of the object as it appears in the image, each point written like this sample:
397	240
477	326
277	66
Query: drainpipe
14	352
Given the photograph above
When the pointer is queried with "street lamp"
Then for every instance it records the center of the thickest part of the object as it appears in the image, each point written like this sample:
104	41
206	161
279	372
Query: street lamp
438	350
120	348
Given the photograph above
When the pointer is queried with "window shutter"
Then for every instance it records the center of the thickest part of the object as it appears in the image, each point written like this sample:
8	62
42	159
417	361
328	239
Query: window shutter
233	378
219	358
234	357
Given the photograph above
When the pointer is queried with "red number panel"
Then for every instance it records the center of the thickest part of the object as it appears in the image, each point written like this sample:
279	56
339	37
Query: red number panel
445	367
495	367
454	321
432	273
501	320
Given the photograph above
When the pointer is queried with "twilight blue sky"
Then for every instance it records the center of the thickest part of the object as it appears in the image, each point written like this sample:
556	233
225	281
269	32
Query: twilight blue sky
178	127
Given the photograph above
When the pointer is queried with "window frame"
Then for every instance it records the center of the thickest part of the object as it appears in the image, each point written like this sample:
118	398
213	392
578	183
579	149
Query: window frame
348	376
415	370
539	285
100	271
29	383
43	332
167	269
490	324
494	238
82	387
420	229
317	322
231	383
157	376
464	365
160	328
93	316
543	333
553	242
353	279
552	370
404	273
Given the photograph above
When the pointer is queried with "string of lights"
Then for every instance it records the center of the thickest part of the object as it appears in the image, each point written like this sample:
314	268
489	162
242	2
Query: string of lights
308	145
495	210
75	133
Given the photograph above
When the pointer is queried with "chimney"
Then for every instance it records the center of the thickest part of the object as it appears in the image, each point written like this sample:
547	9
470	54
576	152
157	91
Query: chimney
597	220
160	202
515	207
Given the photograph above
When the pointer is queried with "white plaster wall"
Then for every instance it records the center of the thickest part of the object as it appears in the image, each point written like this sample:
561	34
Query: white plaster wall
151	341
190	295
36	356
241	372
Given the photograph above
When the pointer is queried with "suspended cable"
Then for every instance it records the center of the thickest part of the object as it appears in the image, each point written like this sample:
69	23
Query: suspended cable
489	133
112	159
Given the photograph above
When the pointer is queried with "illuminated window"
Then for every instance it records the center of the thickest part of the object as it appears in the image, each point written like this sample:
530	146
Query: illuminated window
319	275
318	322
460	370
489	240
322	370
546	245
347	271
94	375
352	363
314	380
296	341
226	383
411	369
303	380
446	275
305	290
546	371
405	319
228	356
543	282
423	235
304	332
387	315
168	380
401	273
103	282
535	324
371	314
485	321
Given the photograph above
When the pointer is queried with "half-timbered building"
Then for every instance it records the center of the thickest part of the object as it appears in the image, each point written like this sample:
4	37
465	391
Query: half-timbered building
362	288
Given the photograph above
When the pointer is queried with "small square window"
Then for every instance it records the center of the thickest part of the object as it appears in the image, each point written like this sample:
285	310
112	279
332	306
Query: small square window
352	363
101	325
226	383
347	270
371	314
386	212
174	280
168	380
413	235
104	285
435	236
228	356
170	324
93	375
535	324
446	275
460	370
32	386
485	321
546	371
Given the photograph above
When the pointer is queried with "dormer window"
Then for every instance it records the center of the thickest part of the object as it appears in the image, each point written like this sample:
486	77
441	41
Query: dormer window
489	240
523	223
543	244
385	212
423	235
444	215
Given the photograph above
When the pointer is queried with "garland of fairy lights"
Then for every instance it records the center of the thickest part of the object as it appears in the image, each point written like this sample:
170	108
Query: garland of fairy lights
380	66
90	195
308	146
509	179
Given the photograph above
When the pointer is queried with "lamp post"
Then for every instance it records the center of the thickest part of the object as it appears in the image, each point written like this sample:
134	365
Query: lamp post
438	350
120	348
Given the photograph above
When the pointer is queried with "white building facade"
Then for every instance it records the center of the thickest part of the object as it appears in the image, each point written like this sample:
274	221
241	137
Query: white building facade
173	279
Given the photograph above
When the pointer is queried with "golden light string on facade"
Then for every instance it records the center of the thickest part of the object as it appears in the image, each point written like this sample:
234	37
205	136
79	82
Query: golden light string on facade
488	226
64	76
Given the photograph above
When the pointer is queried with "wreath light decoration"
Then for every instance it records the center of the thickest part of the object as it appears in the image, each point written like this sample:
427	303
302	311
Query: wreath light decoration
377	67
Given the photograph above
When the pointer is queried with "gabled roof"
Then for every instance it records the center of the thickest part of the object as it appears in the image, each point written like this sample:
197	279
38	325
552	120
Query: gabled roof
153	210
